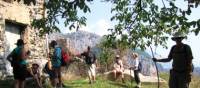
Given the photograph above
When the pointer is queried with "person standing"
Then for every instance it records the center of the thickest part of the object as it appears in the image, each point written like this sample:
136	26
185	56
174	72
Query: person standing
134	65
18	61
181	54
56	58
90	59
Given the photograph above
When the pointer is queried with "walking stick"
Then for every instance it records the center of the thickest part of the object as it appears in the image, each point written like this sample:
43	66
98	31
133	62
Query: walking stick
131	77
156	68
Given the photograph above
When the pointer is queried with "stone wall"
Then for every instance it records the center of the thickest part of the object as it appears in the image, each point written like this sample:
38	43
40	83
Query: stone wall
21	14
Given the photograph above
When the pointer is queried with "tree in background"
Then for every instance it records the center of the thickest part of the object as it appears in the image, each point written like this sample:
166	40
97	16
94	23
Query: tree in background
109	50
139	22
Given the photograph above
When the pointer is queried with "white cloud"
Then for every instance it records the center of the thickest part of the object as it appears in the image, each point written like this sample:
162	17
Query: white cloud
100	27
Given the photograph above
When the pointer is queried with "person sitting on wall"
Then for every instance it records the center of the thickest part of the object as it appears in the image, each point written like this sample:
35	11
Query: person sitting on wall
118	68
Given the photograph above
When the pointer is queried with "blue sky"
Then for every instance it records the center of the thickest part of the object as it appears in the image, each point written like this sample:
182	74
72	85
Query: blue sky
98	21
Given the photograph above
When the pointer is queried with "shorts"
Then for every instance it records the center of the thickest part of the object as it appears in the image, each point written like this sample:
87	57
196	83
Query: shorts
91	70
20	73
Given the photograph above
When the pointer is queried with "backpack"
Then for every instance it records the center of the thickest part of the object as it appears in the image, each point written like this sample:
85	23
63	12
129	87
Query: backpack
15	59
140	67
65	58
90	58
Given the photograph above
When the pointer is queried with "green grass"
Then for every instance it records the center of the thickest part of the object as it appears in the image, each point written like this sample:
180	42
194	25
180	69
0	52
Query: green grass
102	82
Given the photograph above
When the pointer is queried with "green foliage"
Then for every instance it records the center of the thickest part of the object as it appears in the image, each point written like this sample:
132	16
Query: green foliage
106	55
61	9
142	23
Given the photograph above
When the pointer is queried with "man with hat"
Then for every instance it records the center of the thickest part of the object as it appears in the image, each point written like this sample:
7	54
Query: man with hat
181	54
18	61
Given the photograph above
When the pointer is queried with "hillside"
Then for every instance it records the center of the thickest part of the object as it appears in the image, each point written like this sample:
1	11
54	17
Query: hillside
78	42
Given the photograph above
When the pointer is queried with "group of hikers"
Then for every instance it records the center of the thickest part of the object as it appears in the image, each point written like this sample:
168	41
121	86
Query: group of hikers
180	74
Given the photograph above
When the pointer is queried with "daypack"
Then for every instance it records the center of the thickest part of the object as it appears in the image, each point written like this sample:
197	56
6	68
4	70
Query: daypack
90	58
65	58
15	59
140	67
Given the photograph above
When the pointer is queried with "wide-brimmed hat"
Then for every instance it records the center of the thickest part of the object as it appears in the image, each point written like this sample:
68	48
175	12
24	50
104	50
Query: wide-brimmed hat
20	42
178	35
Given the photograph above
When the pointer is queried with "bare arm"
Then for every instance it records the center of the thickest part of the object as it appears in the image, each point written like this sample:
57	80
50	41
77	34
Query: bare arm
164	60
9	57
169	56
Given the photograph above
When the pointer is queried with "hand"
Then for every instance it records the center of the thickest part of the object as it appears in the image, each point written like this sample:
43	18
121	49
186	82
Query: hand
155	59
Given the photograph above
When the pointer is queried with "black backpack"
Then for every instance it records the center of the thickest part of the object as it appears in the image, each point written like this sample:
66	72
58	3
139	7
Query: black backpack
90	58
15	59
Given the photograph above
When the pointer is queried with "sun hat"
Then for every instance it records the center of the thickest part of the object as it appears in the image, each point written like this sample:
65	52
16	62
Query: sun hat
178	35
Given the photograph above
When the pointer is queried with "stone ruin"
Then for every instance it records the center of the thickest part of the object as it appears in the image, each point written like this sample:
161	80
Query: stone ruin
15	23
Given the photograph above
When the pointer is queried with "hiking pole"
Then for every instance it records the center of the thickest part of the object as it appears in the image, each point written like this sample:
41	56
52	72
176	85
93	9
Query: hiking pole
156	68
131	77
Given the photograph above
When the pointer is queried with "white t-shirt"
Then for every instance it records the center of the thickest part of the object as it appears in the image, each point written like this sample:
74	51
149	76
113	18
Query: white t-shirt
133	63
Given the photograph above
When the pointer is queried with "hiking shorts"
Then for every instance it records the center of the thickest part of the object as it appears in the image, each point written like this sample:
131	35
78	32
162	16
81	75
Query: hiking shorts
91	70
57	72
20	73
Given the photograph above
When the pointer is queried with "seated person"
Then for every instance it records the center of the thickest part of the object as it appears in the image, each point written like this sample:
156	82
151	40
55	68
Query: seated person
35	73
48	70
118	68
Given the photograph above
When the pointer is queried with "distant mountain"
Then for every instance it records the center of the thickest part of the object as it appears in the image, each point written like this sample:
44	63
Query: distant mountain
78	42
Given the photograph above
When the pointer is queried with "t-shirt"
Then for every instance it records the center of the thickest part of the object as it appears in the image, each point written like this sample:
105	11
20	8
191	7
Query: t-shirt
181	56
133	63
90	57
118	65
18	52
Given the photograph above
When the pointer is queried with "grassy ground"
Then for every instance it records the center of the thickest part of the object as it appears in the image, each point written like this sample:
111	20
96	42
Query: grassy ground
104	83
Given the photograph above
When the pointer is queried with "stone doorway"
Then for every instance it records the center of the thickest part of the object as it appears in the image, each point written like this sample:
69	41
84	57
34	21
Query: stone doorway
13	32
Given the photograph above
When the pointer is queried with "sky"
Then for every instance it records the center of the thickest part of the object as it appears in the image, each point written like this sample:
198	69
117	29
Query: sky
98	21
